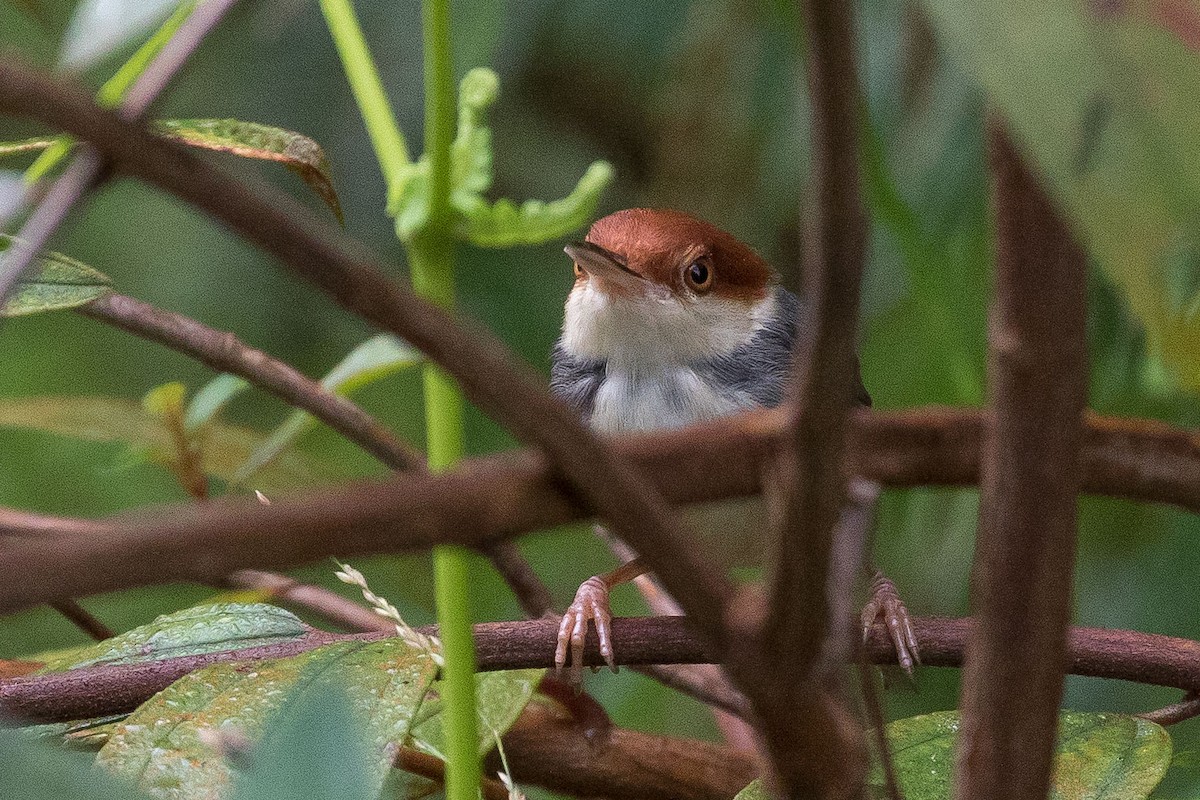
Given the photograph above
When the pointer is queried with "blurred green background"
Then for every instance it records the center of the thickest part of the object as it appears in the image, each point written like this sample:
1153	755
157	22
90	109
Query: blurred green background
699	106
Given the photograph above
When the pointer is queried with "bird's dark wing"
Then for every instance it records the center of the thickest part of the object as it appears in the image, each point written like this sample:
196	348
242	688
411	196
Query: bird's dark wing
762	367
575	380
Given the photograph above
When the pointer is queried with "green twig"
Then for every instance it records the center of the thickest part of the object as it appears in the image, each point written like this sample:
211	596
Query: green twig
432	258
113	90
376	109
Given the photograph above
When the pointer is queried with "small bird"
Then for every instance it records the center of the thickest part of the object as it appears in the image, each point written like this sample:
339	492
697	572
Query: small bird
671	321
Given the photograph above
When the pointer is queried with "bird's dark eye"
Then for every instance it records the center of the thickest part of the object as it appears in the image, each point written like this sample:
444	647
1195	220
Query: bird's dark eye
579	273
698	276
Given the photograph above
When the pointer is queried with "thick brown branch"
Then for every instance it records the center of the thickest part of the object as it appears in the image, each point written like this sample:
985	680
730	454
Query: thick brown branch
551	750
800	701
1031	475
224	352
490	376
490	498
98	691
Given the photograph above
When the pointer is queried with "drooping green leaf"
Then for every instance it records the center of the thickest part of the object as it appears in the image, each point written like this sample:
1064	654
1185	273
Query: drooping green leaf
56	282
32	145
1099	756
315	750
374	359
297	152
504	224
201	629
1109	757
112	419
1104	104
171	744
211	399
34	770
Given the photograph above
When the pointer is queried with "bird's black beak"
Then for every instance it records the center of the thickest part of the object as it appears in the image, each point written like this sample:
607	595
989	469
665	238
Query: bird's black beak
604	264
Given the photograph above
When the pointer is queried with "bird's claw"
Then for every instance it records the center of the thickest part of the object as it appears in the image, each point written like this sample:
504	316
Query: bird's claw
590	604
885	603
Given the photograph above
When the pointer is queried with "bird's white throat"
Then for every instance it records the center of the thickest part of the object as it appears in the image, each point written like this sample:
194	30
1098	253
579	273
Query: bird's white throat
654	348
658	329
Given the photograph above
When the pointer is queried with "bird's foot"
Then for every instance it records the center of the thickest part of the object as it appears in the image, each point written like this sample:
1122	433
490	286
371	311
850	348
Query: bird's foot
885	604
590	604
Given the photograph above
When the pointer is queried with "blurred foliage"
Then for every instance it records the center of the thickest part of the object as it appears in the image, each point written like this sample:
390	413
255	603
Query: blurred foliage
698	106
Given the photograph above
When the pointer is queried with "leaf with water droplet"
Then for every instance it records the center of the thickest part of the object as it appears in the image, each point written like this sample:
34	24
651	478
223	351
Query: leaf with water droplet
173	744
1098	756
210	628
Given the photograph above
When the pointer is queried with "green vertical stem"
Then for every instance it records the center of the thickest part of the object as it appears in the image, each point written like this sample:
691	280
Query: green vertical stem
360	70
431	256
432	259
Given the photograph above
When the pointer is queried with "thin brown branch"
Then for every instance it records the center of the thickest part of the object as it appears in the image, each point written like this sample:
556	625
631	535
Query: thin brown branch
173	56
1175	713
99	691
66	192
878	720
321	601
550	750
798	696
83	619
489	374
224	352
1022	576
434	769
486	499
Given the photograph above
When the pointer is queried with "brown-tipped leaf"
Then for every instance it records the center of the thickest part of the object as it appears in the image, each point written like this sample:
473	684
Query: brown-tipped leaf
253	140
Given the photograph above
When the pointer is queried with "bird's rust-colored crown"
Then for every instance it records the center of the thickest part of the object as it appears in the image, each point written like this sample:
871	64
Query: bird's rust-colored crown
659	243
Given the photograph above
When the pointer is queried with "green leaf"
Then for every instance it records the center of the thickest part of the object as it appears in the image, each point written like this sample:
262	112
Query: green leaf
211	400
32	145
32	770
1109	757
165	400
58	282
313	750
170	745
486	224
1099	756
499	698
202	629
112	419
503	224
471	152
297	152
1105	107
376	358
755	791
